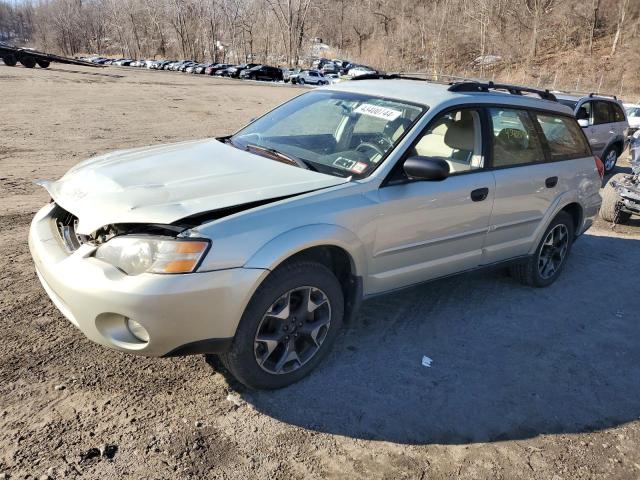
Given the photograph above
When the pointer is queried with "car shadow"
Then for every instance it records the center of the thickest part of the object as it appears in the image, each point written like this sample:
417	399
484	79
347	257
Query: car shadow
508	361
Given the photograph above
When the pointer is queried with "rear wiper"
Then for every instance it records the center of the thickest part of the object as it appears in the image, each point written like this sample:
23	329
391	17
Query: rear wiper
283	157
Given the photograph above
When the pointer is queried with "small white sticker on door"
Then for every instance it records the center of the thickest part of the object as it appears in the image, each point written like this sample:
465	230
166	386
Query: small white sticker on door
377	111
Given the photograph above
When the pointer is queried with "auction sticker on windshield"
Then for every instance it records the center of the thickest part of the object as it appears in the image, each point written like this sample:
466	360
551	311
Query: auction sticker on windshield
377	111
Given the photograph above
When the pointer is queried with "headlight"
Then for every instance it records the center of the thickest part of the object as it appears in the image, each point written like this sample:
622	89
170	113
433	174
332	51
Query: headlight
137	254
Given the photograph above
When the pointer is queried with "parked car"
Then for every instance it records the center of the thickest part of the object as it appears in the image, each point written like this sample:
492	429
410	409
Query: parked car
234	72
360	70
262	72
633	117
212	69
312	77
258	246
604	122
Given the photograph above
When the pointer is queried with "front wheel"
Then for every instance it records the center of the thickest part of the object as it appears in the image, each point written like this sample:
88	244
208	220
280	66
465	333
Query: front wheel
288	327
545	265
301	81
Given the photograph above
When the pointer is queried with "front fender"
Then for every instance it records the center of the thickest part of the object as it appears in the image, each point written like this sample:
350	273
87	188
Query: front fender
277	250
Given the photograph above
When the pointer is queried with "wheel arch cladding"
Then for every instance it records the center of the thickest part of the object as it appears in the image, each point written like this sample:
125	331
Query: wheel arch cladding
330	245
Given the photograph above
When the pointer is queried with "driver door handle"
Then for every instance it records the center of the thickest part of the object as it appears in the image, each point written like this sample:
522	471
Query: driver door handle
479	194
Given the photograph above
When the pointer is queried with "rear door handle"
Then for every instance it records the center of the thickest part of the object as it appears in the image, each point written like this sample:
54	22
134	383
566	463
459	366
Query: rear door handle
479	194
551	182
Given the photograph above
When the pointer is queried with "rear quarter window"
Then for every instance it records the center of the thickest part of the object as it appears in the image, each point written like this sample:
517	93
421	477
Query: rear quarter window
564	136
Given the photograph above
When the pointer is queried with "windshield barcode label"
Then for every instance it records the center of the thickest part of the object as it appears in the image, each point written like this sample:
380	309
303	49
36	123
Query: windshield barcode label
379	112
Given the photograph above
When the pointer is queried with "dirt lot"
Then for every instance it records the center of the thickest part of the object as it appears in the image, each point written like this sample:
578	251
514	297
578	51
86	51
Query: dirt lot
524	383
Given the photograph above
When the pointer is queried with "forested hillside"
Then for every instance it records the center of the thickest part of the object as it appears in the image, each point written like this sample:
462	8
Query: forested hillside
570	44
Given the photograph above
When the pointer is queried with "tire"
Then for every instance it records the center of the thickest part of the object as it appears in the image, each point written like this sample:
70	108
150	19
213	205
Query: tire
286	286
530	272
43	63
609	159
10	60
610	208
28	62
301	81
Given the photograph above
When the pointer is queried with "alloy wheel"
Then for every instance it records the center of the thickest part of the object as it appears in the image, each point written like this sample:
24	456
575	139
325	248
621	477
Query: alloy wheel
292	330
553	251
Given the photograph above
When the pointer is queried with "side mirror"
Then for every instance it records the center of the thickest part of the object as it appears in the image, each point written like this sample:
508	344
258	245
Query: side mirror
583	122
426	168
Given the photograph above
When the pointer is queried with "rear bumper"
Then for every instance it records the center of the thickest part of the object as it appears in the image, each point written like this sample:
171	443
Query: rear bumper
183	314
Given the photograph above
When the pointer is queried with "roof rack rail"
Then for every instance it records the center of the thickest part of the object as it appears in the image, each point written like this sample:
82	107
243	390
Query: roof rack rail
386	76
593	94
513	89
424	77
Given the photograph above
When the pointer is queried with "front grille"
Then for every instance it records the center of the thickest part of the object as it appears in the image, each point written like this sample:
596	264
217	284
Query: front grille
67	224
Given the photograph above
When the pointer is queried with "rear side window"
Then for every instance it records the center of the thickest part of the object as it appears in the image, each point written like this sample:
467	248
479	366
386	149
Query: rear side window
618	114
515	140
601	113
564	136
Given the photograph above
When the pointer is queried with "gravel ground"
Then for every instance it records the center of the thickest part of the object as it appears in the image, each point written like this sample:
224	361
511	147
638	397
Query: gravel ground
525	383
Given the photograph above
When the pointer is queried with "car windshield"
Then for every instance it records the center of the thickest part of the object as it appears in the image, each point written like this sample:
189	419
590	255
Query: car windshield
339	133
633	111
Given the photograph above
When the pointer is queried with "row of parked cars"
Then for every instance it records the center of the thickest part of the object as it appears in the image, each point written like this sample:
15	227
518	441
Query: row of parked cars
323	71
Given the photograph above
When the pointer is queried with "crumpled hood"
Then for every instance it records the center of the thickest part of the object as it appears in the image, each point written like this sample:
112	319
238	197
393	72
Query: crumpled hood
163	184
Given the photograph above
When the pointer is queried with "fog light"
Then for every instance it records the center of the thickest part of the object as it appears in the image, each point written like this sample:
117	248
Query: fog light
137	330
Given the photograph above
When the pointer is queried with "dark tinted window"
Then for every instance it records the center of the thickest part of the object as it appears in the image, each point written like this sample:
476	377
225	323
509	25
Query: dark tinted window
601	113
564	136
515	140
618	114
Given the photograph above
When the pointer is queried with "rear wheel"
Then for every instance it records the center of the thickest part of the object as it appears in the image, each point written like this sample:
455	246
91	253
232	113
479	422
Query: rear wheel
28	62
10	60
546	264
610	208
610	158
43	63
288	327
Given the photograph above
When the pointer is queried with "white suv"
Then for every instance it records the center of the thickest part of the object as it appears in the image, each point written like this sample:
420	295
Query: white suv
311	77
604	122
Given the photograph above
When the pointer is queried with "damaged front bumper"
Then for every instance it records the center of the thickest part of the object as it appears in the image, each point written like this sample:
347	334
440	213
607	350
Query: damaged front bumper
181	313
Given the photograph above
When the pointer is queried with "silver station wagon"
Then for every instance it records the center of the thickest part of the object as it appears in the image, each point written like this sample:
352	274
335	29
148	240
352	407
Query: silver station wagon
260	245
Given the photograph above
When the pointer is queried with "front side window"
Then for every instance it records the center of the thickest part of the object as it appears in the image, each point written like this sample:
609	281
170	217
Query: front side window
455	137
515	141
584	112
339	133
564	137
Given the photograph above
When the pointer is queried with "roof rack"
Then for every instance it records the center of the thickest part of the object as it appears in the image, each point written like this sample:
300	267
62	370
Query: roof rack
593	94
513	89
385	76
423	77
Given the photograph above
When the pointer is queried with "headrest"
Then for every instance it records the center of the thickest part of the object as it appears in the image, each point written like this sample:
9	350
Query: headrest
513	139
460	135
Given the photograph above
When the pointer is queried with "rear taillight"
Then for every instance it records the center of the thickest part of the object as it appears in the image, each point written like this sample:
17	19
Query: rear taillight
599	166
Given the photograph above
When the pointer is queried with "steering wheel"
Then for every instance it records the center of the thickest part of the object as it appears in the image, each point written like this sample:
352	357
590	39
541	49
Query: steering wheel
364	146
